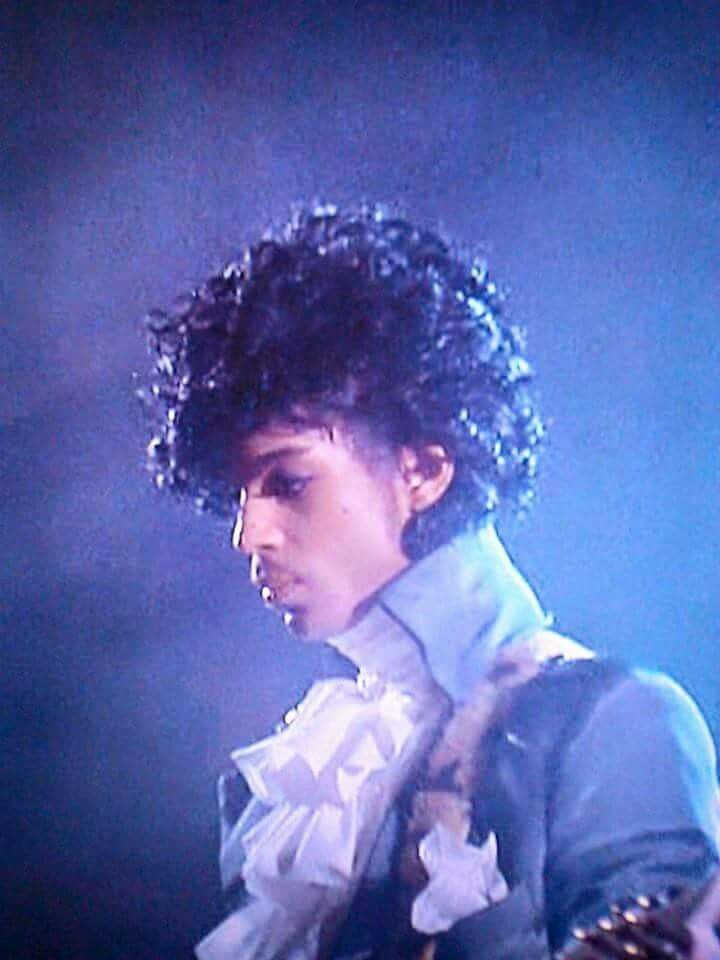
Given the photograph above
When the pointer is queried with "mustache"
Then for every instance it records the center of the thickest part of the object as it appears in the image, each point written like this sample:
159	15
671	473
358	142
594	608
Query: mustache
271	580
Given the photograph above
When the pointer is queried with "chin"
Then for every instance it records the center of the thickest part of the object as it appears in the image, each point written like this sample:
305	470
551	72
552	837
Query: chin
303	625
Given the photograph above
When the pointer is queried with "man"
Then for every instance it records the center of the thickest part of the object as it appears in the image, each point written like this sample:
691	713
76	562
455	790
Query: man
350	393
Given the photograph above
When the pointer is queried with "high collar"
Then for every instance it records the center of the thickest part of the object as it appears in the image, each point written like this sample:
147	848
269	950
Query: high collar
445	616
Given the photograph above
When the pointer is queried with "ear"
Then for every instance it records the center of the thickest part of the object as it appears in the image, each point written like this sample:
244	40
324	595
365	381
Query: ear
427	473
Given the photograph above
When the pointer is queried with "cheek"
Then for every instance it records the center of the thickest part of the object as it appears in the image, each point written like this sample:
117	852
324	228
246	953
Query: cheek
367	538
343	540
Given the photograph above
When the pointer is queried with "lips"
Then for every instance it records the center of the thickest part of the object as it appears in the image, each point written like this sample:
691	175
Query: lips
283	592
278	592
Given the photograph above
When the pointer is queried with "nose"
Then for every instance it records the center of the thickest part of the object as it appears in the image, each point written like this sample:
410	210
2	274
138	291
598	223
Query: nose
256	530
236	537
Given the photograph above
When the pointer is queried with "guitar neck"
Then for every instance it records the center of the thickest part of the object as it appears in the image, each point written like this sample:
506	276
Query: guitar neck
675	925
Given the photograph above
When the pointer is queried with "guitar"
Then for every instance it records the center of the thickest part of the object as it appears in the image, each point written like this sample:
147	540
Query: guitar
675	925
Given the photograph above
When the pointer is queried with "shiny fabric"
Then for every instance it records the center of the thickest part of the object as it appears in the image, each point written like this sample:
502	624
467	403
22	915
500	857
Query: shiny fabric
543	792
563	789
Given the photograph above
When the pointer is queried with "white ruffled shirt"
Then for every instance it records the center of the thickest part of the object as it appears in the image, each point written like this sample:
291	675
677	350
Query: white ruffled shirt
327	781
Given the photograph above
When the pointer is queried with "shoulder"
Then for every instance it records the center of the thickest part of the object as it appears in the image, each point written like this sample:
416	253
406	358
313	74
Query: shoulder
570	699
645	701
626	750
647	722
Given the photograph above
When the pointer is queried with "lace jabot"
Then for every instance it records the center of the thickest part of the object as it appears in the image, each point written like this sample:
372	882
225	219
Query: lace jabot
326	782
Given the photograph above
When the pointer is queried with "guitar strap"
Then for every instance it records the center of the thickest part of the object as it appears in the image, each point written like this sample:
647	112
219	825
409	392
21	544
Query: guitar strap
450	778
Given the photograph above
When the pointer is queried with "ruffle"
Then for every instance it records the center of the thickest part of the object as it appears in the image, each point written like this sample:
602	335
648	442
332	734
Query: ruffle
462	879
327	780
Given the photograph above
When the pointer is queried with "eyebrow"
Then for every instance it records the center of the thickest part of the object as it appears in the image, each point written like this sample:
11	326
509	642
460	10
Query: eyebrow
253	466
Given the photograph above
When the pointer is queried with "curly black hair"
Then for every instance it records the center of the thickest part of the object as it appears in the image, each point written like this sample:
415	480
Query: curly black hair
359	314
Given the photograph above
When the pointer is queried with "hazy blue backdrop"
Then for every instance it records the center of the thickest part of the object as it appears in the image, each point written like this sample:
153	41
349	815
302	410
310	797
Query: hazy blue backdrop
578	144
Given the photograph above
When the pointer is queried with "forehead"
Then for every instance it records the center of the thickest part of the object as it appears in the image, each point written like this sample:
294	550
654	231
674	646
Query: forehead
282	440
335	442
276	437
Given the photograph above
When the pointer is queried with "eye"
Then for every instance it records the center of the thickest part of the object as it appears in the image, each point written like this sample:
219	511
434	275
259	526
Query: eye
284	485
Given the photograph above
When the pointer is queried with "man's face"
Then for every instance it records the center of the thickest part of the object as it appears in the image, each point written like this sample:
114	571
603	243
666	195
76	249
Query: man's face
321	523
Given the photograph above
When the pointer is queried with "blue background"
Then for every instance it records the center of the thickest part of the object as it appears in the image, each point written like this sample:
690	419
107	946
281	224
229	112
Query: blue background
576	144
